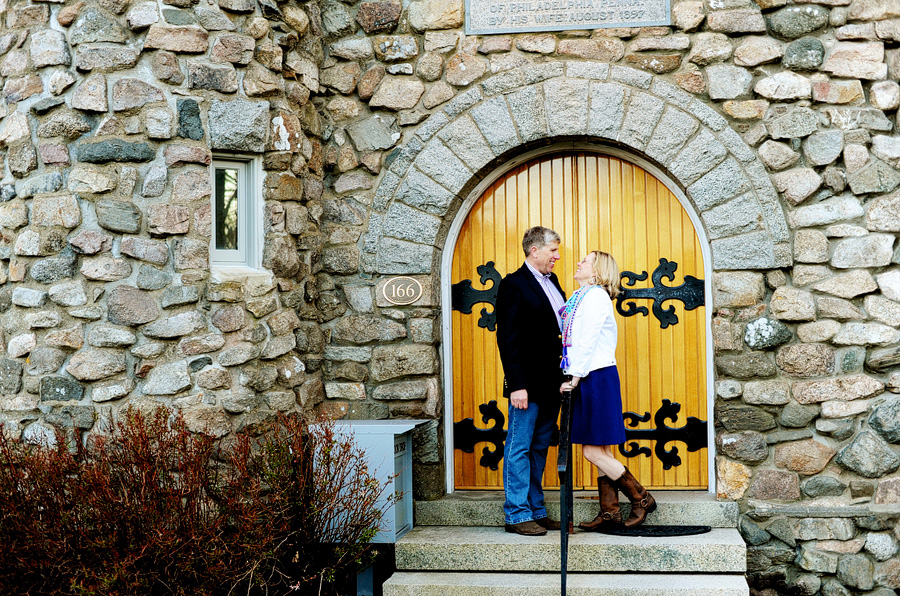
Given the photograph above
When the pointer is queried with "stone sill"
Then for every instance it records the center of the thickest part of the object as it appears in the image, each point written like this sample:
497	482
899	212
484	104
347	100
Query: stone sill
219	274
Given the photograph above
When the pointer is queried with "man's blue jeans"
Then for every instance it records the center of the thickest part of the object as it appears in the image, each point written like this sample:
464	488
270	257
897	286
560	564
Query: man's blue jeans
524	456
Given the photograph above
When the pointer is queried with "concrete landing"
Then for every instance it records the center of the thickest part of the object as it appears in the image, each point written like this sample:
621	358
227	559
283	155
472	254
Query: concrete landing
485	508
436	548
528	584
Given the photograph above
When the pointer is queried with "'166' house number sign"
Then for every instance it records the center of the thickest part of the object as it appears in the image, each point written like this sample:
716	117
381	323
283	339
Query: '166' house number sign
519	16
402	290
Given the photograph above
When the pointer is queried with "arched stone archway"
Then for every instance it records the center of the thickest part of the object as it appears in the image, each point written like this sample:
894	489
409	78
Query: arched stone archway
451	154
430	175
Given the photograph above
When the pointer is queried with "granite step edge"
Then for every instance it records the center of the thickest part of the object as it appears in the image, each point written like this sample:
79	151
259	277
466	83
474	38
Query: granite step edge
432	548
427	583
455	511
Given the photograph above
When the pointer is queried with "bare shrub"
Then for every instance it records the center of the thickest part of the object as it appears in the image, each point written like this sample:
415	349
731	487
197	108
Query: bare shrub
150	508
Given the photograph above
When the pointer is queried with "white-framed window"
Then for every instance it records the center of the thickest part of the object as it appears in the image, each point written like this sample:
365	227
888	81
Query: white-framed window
236	212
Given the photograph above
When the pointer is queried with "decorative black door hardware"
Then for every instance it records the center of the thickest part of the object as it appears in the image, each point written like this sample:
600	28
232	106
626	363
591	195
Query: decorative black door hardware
691	293
464	296
693	434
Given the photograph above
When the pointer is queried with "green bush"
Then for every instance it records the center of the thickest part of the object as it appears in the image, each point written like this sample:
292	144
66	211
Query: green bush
149	508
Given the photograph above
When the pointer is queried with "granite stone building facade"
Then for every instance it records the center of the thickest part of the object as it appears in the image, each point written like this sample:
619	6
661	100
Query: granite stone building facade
364	129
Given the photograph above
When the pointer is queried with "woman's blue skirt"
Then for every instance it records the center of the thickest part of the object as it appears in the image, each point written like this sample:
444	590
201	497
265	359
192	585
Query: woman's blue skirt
597	414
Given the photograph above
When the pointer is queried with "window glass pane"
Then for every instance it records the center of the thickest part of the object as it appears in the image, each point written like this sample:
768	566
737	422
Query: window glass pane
226	208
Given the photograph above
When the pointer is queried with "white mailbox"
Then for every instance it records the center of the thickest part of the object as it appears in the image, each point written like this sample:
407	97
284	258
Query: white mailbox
388	445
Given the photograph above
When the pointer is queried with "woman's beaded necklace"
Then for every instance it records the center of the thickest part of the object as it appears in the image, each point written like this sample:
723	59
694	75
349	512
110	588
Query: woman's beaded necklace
567	316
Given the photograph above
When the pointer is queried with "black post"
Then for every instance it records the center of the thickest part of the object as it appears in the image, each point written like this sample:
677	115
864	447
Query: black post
564	468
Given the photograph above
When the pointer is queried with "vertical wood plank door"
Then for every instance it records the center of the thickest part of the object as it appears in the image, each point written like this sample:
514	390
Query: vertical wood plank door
600	202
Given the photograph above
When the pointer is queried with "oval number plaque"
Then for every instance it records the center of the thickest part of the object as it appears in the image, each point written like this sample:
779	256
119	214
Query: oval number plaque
402	290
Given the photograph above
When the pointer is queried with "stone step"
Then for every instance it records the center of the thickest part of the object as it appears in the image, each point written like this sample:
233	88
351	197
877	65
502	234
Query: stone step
461	548
548	584
485	508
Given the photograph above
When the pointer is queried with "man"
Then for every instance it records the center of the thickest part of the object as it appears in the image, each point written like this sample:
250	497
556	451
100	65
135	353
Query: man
528	336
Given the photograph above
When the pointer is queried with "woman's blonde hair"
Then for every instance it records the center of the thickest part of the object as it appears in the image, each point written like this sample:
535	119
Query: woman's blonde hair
605	273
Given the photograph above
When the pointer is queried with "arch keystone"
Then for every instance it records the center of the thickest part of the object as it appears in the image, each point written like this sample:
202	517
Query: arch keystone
566	100
607	109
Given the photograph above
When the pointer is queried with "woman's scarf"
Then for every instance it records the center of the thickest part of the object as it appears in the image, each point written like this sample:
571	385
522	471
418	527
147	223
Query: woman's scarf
567	316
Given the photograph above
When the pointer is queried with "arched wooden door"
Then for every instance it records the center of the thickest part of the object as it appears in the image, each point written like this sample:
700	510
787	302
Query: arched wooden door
594	201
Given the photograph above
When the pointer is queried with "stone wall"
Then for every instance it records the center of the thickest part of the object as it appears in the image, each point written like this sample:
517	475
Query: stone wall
777	119
111	111
374	121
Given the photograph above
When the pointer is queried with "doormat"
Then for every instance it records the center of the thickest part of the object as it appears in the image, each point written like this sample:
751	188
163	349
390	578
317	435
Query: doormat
656	531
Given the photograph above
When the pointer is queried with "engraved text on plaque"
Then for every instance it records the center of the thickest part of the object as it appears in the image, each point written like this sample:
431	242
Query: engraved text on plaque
519	16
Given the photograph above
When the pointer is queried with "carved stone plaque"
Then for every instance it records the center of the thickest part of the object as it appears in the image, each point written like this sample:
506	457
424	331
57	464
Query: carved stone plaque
519	16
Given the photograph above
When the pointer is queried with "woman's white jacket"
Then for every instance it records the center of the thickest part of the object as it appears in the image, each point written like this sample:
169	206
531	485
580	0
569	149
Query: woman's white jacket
594	334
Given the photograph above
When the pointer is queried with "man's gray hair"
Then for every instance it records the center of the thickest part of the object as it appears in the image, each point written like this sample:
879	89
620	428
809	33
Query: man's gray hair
538	236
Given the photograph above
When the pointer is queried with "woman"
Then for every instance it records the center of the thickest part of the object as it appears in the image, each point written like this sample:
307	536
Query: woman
589	356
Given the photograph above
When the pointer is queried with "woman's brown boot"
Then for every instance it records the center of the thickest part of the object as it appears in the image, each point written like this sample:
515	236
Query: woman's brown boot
642	502
609	515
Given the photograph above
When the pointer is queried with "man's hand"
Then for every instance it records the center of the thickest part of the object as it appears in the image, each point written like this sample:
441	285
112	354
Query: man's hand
519	399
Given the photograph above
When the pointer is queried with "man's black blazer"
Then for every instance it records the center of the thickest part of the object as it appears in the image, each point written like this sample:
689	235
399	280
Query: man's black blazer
528	337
